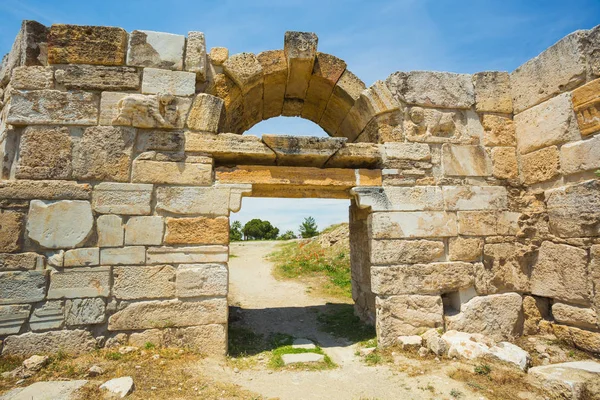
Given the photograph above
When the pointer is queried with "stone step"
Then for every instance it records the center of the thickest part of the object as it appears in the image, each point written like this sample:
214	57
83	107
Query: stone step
51	390
302	343
302	358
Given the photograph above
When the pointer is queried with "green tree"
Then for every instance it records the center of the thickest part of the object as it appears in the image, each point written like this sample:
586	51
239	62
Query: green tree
235	232
308	228
257	229
288	235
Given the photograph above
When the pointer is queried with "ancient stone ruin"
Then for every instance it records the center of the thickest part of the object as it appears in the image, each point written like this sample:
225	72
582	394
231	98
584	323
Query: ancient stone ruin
474	205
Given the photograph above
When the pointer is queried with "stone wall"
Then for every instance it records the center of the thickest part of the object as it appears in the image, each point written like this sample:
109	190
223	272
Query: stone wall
474	201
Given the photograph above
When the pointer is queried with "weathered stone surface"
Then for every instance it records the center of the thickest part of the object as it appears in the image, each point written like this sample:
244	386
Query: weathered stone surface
560	272
224	87
275	73
574	210
198	280
84	311
465	345
435	89
159	140
570	380
218	55
559	68
594	270
391	198
432	278
52	107
541	165
407	315
487	223
44	153
306	151
207	114
229	148
81	44
215	200
465	249
11	231
459	198
103	153
406	151
130	255
197	230
505	268
169	313
498	130
147	282
580	338
302	358
210	340
433	125
195	55
29	48
300	49
122	198
110	231
356	155
181	255
144	230
155	49
580	156
492	92
118	387
496	316
504	163
59	224
88	77
49	315
12	318
465	160
176	83
46	190
82	257
32	78
345	92
550	123
68	341
245	70
405	251
586	103
327	70
178	173
534	310
433	341
71	283
21	261
511	353
576	316
398	225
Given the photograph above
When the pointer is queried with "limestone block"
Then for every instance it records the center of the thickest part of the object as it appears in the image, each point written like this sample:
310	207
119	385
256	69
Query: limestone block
147	282
570	380
504	163
229	148
496	316
92	161
253	106
275	74
110	231
155	49
557	69
488	223
492	92
306	151
498	130
574	210
383	128
506	268
143	111
218	55
177	173
586	104
540	165
465	160
245	70
327	70
300	49
82	257
197	230
208	340
71	283
169	313
560	272
21	261
177	83
580	338
44	153
159	140
460	198
405	251
97	77
580	156
198	280
433	89
144	230
417	224
550	123
207	114
73	342
22	286
217	200
406	151
225	88
29	48
418	198
576	316
122	198
12	318
52	107
188	255
534	310
11	231
432	278
85	311
356	155
407	315
130	255
59	224
594	270
195	55
465	249
47	190
345	93
435	125
32	78
48	315
81	44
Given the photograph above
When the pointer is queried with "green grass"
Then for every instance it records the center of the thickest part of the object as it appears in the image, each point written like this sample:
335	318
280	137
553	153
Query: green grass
482	369
113	356
8	363
276	361
342	322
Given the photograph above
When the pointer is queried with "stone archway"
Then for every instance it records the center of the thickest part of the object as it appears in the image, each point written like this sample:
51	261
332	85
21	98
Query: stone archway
122	157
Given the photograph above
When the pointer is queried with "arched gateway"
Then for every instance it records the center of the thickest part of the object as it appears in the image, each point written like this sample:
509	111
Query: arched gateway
474	204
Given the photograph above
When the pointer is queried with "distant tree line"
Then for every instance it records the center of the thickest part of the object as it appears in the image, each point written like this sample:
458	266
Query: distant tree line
258	229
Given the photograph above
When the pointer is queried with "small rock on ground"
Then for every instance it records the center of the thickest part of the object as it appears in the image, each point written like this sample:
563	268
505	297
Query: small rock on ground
119	386
51	390
302	358
95	370
301	343
413	341
35	363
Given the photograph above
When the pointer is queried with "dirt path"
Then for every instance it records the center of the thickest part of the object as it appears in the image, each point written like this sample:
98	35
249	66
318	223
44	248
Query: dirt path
267	305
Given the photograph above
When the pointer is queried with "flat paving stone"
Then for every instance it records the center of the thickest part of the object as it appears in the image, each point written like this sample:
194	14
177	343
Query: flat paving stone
51	390
302	358
302	343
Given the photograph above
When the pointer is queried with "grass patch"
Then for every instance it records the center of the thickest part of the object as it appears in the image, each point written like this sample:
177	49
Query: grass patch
8	363
244	342
342	322
276	361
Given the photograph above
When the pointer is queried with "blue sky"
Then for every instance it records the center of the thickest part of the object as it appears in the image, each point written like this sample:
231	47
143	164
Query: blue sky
374	37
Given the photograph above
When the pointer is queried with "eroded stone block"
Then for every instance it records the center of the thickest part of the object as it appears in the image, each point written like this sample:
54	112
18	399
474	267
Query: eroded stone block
418	224
52	107
197	230
198	280
156	50
44	153
540	165
72	342
110	231
144	282
178	173
459	198
85	311
49	315
229	148
29	48
82	257
586	104
11	231
576	316
345	92
306	151
21	261
176	83
498	130
22	286
327	70
580	156
504	163
390	198
245	70
506	268
82	44
32	78
89	77
195	55
574	210
405	251
144	231
406	151
129	255
356	155
207	114
59	224
275	74
215	200
465	249
188	255
71	283
488	223
122	198
46	190
492	92
300	50
12	318
465	160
